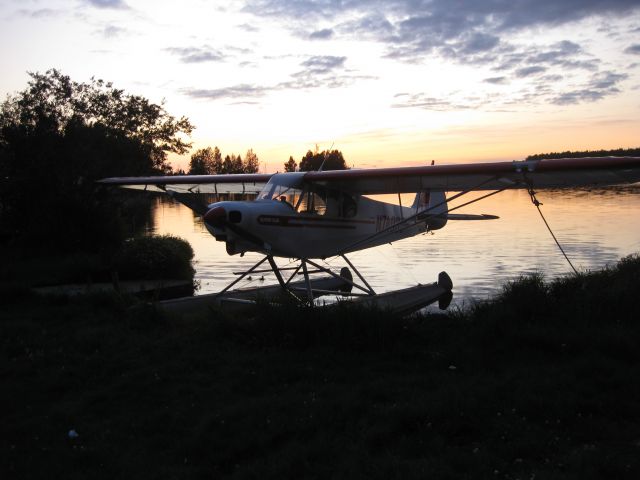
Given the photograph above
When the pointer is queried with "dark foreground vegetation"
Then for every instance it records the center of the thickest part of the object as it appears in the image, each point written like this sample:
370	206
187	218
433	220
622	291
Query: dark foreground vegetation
57	137
160	257
541	382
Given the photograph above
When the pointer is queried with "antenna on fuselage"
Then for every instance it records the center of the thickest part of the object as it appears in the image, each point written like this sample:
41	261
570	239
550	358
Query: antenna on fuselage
325	157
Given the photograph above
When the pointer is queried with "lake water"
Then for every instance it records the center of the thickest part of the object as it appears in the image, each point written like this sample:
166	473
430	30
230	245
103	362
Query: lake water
595	228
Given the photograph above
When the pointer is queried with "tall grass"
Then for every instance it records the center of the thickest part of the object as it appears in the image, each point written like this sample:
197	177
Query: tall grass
538	383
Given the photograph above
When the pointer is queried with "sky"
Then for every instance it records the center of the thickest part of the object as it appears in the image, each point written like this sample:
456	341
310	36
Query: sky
398	82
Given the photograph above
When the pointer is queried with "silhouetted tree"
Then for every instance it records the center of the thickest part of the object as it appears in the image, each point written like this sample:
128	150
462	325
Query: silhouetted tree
290	165
236	164
217	160
227	165
329	160
203	162
251	162
57	137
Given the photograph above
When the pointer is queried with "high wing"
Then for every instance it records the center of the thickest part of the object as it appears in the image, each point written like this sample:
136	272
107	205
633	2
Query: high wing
233	183
546	173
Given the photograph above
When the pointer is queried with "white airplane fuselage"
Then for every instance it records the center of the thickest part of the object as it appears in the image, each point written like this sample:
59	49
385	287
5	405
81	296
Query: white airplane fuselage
299	224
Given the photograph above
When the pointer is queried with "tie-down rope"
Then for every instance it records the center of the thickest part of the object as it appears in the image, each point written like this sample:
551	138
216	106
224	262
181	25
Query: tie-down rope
535	201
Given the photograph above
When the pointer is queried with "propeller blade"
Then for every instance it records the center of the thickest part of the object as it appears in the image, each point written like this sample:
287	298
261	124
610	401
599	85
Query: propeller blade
216	217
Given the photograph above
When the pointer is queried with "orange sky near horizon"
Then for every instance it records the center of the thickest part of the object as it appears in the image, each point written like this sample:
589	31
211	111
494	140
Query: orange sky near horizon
482	144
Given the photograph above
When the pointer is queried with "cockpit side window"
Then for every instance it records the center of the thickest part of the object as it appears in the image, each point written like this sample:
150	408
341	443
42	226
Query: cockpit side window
309	198
340	204
312	202
349	207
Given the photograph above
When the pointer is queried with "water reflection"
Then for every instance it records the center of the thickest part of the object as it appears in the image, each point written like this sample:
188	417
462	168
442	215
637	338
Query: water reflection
595	228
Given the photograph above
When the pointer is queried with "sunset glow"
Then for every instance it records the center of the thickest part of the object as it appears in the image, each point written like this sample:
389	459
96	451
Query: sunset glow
386	82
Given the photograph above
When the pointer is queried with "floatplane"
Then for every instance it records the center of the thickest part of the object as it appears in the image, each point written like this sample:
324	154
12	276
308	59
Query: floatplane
315	215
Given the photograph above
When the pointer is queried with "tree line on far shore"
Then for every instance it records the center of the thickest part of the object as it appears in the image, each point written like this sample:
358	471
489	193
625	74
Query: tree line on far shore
209	161
618	152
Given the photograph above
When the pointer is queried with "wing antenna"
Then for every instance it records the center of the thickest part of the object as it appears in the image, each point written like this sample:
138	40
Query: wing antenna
325	157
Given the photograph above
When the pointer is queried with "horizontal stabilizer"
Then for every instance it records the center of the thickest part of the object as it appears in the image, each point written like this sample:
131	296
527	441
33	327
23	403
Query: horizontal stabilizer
465	216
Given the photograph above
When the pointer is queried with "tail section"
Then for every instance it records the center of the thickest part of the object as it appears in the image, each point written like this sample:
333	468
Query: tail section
434	204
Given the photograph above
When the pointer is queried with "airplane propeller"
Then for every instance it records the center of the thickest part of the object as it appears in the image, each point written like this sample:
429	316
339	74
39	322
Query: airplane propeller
216	217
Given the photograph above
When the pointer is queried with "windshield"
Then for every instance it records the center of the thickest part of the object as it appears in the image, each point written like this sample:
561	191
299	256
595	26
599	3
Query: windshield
288	188
283	187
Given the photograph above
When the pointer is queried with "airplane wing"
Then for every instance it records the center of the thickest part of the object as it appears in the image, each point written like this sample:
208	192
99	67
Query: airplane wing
546	173
539	174
233	183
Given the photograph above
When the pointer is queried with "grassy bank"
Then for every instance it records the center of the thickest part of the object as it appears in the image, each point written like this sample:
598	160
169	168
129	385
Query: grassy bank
143	257
541	382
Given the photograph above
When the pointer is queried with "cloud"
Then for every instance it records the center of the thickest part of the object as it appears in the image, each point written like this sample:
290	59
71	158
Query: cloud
578	96
112	31
196	54
248	28
557	52
529	71
324	34
563	54
322	65
607	80
633	49
551	78
543	89
40	13
317	72
496	80
306	81
468	31
478	42
502	15
236	91
600	85
322	71
116	4
500	37
446	103
370	25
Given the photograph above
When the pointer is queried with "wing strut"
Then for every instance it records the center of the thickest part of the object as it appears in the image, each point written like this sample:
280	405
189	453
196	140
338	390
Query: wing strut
421	215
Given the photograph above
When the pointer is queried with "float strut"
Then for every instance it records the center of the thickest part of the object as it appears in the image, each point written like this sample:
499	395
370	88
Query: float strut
371	291
244	274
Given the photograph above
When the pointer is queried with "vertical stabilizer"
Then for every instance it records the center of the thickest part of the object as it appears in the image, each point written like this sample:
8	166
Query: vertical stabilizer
434	203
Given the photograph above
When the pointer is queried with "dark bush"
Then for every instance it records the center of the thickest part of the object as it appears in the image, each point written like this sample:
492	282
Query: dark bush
155	257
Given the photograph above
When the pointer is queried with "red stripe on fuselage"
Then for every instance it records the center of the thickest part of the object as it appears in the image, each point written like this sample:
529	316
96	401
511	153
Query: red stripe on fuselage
309	222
